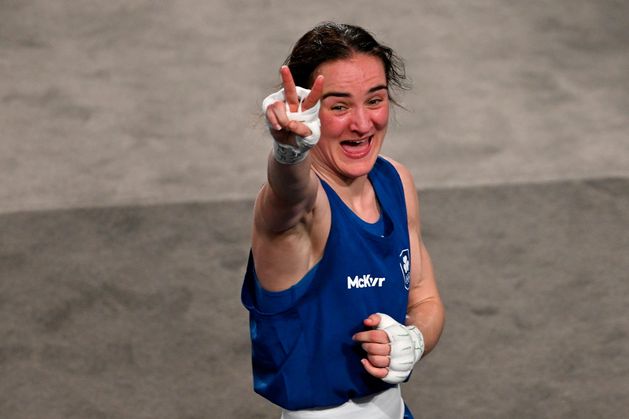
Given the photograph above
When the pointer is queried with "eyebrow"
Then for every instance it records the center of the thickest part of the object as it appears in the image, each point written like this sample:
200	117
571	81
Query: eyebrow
344	94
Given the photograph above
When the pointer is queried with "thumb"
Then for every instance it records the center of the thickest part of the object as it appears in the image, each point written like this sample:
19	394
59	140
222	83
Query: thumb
373	320
385	321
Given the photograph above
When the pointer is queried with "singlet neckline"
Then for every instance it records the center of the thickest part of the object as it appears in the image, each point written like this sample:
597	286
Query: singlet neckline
382	228
376	228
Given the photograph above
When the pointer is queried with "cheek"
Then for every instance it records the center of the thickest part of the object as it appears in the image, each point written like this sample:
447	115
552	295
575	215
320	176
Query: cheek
380	118
332	126
335	126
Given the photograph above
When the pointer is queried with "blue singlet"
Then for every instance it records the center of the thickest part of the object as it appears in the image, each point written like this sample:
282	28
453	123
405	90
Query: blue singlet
302	348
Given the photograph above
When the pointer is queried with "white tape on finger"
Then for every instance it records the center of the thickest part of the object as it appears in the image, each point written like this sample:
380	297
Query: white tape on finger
286	153
407	347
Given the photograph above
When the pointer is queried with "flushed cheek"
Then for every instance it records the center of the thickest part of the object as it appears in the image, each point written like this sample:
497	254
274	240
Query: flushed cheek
332	126
381	118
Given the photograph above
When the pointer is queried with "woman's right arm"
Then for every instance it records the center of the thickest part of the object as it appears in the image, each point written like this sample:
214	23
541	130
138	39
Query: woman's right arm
291	189
283	215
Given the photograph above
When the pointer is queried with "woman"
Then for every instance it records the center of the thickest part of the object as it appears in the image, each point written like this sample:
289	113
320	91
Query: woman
339	285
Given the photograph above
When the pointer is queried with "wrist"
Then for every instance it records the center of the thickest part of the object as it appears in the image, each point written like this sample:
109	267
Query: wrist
288	154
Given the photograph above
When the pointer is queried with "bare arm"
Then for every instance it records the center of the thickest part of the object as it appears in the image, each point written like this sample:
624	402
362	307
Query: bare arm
282	242
291	189
425	308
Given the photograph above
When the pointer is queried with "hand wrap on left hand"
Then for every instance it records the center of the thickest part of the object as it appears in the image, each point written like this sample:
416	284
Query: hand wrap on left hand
407	347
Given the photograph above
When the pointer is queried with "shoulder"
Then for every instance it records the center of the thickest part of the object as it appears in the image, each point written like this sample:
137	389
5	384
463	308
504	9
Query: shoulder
283	257
405	175
410	191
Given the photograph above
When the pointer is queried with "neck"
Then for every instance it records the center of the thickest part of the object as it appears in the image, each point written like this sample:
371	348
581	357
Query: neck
347	186
357	193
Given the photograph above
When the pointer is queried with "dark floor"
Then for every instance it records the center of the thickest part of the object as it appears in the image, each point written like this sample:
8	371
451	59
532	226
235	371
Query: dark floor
134	312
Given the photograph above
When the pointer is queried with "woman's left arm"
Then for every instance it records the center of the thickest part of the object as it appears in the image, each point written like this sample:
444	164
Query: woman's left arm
424	311
425	308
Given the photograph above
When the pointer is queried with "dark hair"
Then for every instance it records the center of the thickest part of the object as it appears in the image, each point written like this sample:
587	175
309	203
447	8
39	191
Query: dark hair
331	41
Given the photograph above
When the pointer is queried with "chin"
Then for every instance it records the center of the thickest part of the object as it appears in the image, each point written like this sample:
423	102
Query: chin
356	168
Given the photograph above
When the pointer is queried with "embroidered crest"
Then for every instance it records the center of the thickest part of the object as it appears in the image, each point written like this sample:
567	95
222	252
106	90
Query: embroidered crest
405	266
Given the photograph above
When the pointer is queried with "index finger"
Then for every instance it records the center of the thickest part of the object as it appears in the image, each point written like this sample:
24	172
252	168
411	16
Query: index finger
371	336
290	92
315	94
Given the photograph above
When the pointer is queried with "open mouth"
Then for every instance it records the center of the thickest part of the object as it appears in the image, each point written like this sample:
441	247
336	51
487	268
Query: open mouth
355	143
357	148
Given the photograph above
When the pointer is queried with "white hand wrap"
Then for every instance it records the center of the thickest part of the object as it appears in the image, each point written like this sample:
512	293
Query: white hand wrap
286	153
407	347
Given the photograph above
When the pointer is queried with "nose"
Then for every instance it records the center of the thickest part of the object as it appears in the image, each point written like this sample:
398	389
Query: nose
361	122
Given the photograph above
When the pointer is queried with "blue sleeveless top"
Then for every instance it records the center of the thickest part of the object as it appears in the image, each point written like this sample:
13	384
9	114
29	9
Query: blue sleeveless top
301	338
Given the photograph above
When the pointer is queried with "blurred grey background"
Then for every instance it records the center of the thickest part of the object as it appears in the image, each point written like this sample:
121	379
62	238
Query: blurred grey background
131	147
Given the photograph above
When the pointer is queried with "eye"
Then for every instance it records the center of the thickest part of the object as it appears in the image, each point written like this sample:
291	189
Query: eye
339	107
374	101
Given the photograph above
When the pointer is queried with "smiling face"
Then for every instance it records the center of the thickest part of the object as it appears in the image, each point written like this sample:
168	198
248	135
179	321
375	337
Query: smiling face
354	116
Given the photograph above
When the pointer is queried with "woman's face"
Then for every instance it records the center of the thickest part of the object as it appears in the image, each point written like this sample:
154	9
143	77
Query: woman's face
354	116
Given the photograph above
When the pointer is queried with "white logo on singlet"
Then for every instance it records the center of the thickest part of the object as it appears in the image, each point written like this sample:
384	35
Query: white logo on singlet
405	266
365	281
